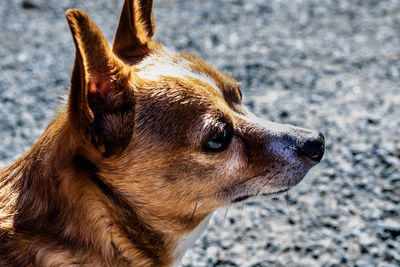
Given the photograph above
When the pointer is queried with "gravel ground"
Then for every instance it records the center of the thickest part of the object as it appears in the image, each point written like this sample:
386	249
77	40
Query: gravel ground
330	65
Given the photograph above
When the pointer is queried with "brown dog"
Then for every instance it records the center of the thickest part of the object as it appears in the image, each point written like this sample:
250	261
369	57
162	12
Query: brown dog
149	144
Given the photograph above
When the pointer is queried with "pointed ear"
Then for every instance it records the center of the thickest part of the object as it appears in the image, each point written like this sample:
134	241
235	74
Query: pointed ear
135	29
98	85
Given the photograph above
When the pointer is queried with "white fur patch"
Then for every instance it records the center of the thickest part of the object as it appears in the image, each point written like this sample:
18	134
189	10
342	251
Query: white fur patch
188	241
166	63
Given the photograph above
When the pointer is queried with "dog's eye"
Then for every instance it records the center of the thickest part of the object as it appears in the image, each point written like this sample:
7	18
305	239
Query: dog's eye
220	139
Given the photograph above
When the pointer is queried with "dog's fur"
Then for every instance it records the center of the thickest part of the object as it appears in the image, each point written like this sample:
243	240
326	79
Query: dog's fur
123	175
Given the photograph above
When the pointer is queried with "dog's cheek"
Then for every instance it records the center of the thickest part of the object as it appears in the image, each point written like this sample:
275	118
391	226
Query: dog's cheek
218	171
233	162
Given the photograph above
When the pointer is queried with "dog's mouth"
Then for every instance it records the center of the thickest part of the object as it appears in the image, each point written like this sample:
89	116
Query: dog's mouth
245	197
266	184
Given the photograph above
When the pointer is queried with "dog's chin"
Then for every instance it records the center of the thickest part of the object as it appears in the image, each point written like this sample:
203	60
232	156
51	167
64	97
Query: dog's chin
253	190
259	195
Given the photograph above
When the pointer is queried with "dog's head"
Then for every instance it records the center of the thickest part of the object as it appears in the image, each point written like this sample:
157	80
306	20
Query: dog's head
168	132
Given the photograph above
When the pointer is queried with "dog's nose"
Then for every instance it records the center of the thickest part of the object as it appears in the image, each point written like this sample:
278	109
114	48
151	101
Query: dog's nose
313	147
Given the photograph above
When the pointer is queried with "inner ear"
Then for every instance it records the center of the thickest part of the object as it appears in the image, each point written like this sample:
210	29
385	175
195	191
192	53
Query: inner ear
113	112
104	94
100	84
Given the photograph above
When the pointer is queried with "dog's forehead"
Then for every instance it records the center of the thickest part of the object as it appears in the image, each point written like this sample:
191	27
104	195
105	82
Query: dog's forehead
163	63
166	63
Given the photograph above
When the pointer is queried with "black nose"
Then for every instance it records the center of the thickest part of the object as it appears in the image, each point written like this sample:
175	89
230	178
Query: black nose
313	147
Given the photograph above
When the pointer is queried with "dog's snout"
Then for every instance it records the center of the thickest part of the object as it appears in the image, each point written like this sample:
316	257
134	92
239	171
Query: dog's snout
287	141
313	147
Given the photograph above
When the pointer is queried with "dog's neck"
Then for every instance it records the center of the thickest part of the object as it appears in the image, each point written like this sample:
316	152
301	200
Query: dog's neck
48	177
188	240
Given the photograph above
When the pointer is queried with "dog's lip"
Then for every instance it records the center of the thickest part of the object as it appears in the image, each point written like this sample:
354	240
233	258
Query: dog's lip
245	197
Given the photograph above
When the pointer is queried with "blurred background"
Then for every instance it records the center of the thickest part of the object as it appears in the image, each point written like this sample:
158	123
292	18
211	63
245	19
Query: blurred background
331	65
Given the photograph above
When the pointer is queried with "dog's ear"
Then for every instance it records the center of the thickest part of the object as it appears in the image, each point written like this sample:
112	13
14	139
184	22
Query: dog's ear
99	98
135	30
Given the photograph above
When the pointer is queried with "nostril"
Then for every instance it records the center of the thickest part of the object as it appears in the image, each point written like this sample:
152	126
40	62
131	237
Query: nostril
313	148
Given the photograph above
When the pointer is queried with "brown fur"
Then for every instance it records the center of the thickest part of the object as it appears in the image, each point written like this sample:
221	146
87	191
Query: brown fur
120	175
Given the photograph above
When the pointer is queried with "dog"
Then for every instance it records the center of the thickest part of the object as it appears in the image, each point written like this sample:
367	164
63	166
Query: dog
148	145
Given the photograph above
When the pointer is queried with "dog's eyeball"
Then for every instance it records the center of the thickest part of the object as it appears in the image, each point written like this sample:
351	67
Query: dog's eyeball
220	139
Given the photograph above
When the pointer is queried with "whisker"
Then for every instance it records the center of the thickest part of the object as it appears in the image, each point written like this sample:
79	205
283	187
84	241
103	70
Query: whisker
195	208
226	214
192	215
